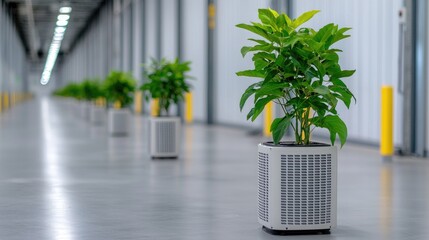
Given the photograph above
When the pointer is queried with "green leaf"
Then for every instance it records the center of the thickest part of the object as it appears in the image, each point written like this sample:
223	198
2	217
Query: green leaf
251	73
268	16
247	93
250	114
260	105
344	74
279	127
245	50
264	56
262	42
323	33
271	88
265	48
255	29
304	18
335	126
321	90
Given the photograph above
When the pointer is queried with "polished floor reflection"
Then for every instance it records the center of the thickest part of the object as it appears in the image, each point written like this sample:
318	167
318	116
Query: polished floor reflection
62	178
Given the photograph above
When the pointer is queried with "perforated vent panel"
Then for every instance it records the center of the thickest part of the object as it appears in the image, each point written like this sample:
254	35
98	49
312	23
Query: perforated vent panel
263	186
166	137
306	185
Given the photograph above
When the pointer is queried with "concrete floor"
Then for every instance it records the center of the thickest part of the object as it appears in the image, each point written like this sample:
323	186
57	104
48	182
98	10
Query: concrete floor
63	179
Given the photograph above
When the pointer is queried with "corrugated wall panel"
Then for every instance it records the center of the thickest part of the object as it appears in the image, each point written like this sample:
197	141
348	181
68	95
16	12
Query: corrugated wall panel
195	50
150	25
169	29
228	42
12	55
372	50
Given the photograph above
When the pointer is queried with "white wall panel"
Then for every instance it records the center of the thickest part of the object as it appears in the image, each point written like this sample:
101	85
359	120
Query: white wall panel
372	50
169	29
195	50
150	25
229	40
137	39
427	89
12	55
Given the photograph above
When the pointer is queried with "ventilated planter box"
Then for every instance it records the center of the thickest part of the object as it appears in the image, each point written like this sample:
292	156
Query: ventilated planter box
118	121
85	110
297	187
98	115
164	137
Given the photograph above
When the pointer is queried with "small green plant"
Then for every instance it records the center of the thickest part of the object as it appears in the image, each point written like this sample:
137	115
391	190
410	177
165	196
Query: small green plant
166	82
91	89
119	87
72	90
301	73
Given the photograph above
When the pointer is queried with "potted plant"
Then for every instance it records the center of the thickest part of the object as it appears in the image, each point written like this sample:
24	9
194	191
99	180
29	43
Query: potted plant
94	93
167	84
301	73
87	92
119	88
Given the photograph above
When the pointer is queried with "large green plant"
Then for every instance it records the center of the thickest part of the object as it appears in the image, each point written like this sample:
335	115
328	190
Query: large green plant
166	82
301	73
119	87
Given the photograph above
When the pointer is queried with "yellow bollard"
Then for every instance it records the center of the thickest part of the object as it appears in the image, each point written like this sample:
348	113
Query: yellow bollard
386	134
268	119
212	16
155	107
5	101
138	102
1	102
117	105
188	107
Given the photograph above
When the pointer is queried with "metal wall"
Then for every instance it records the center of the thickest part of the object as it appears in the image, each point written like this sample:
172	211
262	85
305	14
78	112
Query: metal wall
194	45
93	55
228	59
372	50
13	73
148	29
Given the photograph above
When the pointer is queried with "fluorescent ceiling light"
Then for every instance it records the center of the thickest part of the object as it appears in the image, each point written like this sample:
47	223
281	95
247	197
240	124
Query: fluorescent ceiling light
60	29
55	46
62	23
63	17
65	10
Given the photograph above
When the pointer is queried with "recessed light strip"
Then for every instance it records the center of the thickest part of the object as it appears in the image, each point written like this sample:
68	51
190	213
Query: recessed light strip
54	49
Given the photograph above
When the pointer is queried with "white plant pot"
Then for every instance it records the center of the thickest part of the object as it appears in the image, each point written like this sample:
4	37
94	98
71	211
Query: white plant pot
119	121
164	137
85	110
98	115
297	187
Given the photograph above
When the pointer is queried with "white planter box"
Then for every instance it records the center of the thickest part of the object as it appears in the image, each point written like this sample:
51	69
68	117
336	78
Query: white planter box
297	187
119	121
98	115
85	110
164	137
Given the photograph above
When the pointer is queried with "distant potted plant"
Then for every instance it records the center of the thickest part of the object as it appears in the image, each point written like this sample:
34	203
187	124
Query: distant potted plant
119	88
72	92
94	94
301	73
87	95
167	84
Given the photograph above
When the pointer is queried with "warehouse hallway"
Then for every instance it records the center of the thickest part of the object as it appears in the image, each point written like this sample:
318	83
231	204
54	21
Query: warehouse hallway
63	178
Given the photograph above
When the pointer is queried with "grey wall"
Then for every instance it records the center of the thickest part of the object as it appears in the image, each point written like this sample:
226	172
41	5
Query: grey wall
372	50
93	56
13	65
